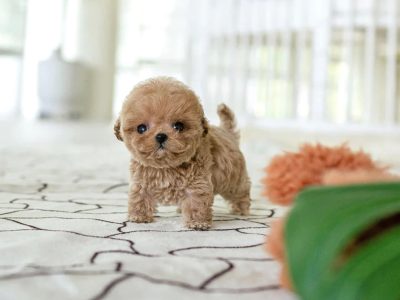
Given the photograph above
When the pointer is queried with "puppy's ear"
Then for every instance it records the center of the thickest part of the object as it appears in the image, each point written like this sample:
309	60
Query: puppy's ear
204	123
117	129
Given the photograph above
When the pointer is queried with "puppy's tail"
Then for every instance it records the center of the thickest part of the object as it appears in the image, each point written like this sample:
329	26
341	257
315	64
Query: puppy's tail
228	120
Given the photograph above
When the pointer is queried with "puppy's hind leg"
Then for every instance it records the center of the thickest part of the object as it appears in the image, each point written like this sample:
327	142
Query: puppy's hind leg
179	208
239	205
239	199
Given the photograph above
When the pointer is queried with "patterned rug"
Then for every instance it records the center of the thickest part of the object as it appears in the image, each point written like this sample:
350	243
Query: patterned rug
63	229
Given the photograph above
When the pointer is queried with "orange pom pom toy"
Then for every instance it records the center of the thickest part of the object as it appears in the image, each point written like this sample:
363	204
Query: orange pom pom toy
289	173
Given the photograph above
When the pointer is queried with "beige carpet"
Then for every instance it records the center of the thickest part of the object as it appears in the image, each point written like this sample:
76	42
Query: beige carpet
64	235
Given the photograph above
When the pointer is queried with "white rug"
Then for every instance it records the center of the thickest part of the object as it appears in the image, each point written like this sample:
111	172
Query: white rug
63	233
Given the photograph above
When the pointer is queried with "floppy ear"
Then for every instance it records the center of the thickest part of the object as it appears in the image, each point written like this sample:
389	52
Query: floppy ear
117	129
204	123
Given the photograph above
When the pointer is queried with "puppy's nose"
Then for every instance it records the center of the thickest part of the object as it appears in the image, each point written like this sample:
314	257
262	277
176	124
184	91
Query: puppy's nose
161	138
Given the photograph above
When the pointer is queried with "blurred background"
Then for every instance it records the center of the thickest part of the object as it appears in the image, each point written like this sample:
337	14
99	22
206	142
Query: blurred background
296	63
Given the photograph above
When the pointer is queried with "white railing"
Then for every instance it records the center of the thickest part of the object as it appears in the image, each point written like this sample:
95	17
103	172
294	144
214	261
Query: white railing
322	61
294	61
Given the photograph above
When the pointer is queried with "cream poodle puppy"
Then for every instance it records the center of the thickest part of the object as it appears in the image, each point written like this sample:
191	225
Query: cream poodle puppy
177	157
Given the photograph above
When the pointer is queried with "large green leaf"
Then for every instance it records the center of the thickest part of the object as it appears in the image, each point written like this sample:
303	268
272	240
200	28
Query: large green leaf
323	221
373	273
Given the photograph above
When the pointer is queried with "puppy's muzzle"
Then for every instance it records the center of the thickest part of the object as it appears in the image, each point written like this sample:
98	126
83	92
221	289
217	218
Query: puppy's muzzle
161	138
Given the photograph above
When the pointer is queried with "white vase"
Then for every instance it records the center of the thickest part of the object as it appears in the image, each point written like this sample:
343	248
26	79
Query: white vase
64	87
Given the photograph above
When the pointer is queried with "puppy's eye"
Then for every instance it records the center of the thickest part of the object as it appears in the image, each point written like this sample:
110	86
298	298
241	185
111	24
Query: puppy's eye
141	128
178	126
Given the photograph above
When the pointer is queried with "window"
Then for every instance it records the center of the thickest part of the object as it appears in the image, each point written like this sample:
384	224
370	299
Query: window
12	27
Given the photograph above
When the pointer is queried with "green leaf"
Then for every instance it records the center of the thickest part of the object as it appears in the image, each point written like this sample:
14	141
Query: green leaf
373	272
323	221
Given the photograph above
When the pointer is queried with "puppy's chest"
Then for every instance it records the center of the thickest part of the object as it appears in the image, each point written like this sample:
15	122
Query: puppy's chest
167	186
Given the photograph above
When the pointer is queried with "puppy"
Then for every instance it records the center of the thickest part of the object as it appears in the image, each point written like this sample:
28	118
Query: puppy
177	157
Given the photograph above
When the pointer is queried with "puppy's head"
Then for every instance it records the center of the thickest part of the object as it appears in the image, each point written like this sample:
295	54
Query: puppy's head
161	123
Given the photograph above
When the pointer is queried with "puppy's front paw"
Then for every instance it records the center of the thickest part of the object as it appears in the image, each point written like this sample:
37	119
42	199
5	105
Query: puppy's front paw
140	219
198	225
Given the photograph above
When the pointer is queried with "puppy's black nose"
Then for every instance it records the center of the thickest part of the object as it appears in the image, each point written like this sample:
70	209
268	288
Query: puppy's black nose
161	138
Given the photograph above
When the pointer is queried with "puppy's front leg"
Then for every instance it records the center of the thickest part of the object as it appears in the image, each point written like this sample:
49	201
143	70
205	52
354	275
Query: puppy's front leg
140	205
197	207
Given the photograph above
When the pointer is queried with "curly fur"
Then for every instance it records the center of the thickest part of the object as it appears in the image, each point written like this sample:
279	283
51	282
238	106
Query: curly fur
195	164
